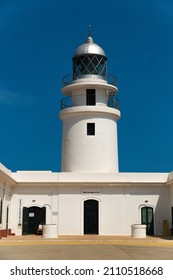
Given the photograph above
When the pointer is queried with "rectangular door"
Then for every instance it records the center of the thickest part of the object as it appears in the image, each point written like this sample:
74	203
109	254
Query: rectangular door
147	219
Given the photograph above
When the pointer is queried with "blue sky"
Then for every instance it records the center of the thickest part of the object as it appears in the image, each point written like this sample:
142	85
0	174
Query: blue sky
37	41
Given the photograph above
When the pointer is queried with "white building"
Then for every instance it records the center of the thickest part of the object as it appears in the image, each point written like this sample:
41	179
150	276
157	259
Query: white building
89	195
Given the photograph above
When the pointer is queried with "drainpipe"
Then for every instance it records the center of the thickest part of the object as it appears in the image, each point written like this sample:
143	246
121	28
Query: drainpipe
46	204
7	221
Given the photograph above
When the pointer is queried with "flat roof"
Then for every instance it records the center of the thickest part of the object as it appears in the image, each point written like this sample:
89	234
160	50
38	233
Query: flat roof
22	177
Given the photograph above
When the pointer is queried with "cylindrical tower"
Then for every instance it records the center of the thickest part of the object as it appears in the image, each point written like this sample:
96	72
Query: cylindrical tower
89	113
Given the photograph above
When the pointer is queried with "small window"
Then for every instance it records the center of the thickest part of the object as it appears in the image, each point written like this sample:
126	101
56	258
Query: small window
90	128
90	97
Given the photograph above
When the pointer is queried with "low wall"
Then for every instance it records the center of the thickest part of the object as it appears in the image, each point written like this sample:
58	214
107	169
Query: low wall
3	232
138	231
50	231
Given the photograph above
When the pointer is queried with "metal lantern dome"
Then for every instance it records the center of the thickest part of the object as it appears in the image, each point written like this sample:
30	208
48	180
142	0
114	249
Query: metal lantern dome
89	47
89	59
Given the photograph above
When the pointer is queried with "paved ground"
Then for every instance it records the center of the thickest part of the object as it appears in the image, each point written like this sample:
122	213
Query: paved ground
86	248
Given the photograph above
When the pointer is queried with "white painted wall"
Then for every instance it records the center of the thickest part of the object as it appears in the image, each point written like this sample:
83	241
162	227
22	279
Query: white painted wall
70	210
120	197
119	208
83	153
79	96
5	195
2	197
34	195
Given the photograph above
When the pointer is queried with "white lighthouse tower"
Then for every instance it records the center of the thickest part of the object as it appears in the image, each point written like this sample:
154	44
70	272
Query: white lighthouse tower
89	112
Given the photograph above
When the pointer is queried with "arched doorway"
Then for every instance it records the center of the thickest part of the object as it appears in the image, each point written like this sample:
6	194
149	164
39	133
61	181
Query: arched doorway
91	216
32	217
147	218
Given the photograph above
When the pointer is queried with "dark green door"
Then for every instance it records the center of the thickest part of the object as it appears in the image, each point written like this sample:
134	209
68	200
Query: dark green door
147	218
32	217
91	216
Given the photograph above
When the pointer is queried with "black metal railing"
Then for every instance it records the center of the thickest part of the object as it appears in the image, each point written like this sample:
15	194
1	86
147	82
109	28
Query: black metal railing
80	100
113	102
66	102
68	79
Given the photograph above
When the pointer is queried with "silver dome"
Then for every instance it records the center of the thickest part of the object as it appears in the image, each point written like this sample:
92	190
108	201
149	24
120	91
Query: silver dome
89	47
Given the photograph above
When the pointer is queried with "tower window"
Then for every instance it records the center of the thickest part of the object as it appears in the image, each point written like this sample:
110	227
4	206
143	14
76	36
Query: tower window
90	97
90	128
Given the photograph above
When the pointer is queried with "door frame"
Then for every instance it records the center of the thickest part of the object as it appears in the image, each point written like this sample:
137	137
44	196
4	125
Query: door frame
153	215
98	214
26	217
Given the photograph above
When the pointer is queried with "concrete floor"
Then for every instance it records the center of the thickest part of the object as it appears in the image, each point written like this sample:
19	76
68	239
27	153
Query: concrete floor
85	248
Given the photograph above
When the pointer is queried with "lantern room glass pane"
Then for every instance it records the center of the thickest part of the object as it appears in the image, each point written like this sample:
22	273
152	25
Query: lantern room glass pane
89	65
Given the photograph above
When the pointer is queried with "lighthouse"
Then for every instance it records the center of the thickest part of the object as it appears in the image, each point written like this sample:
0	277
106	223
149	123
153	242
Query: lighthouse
89	113
90	195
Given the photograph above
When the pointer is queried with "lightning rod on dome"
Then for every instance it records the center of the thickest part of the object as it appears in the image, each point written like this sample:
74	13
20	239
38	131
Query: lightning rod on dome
90	33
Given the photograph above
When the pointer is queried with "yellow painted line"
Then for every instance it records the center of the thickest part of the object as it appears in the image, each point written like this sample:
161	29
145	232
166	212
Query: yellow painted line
117	243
